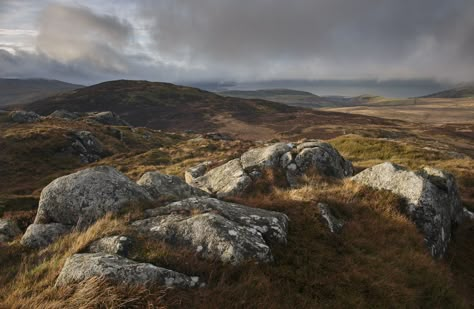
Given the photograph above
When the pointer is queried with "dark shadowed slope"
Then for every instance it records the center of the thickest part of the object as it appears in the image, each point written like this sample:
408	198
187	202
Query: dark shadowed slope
463	91
21	91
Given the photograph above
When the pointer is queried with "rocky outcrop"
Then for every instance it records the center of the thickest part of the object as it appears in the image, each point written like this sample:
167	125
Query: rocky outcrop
432	198
334	224
80	267
64	114
24	117
225	180
196	171
41	235
167	187
8	230
79	199
119	245
88	147
108	118
235	176
215	229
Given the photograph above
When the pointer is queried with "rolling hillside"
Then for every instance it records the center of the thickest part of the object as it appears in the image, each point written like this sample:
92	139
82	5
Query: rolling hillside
21	91
287	96
463	91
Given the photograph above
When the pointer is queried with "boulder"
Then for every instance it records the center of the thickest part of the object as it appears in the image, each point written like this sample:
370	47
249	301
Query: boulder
24	117
323	158
88	147
225	180
334	224
83	266
216	229
263	157
196	171
119	245
235	176
41	235
64	114
108	118
167	187
79	199
432	198
8	230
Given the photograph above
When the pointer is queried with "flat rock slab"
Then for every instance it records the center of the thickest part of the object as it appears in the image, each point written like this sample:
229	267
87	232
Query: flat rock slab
432	197
217	230
80	267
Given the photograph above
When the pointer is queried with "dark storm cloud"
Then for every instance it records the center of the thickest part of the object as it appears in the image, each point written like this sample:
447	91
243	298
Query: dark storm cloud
314	39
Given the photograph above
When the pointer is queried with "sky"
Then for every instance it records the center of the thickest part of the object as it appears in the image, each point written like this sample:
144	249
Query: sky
245	41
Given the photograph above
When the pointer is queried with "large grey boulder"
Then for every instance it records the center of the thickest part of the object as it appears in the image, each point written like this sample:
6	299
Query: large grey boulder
41	235
293	161
8	230
167	187
80	267
216	229
225	180
432	198
24	117
89	148
79	199
108	118
324	158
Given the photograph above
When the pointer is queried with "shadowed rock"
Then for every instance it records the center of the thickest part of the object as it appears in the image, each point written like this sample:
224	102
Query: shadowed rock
432	198
167	187
88	147
80	267
215	229
334	224
24	117
108	118
196	171
8	230
41	235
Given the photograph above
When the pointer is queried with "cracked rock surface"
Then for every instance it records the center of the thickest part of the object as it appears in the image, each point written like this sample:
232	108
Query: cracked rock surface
216	229
431	195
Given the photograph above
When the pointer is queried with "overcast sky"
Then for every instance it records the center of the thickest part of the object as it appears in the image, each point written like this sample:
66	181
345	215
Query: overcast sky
237	40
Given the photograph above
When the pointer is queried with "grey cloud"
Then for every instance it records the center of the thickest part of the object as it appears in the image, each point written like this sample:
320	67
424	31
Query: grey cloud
314	39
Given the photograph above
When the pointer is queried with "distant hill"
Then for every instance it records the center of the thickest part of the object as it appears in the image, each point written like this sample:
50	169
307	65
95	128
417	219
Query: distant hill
286	96
463	91
178	108
21	91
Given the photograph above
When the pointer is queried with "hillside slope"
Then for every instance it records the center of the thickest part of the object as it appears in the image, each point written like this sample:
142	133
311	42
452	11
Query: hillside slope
178	108
21	91
463	91
286	96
